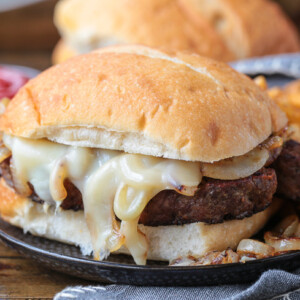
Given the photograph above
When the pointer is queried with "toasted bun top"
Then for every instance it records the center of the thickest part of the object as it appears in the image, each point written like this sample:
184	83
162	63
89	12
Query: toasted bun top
90	24
141	100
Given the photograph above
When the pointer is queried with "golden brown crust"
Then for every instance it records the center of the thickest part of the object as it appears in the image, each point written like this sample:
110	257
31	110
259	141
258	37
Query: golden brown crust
141	100
62	52
249	28
157	23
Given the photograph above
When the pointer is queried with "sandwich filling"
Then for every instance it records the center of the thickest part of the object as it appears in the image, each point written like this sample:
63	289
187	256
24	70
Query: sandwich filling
116	186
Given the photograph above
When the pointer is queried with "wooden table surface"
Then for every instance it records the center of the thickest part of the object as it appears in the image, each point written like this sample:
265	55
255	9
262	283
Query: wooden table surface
23	278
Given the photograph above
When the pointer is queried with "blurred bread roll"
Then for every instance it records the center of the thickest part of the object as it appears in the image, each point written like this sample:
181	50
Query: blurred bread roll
222	29
90	24
248	28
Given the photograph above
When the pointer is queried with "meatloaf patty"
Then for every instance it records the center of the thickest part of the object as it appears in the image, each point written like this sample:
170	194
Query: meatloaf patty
214	201
287	168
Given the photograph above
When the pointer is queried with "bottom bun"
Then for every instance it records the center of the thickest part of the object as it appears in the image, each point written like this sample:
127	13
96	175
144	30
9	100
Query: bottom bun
62	52
165	242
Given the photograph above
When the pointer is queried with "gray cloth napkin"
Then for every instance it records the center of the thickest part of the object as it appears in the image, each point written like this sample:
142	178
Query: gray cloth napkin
273	284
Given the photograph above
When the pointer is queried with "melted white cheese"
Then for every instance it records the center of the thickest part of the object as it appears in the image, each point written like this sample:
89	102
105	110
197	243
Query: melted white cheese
112	184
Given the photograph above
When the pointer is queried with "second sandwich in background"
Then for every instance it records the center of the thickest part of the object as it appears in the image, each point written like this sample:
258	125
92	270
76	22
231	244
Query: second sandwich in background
225	30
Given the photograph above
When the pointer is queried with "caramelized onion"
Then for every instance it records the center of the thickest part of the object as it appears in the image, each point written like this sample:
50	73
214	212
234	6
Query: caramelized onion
288	226
56	182
183	261
272	143
4	153
211	258
297	233
253	248
186	190
19	181
282	244
237	167
216	258
285	236
244	165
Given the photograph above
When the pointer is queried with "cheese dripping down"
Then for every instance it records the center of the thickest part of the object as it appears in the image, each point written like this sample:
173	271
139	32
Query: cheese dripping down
112	184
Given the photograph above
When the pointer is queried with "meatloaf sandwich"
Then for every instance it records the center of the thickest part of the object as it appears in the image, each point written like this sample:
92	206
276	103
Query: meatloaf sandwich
139	151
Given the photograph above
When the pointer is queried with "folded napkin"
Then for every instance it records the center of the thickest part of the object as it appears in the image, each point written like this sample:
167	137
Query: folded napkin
273	284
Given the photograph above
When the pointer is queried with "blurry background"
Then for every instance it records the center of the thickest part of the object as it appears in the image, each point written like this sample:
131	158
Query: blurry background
27	33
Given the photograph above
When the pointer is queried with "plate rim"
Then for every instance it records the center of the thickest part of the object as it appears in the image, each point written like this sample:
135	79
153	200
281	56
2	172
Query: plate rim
28	71
117	265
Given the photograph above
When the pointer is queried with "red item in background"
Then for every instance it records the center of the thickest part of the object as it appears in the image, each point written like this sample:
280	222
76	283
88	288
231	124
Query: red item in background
10	82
